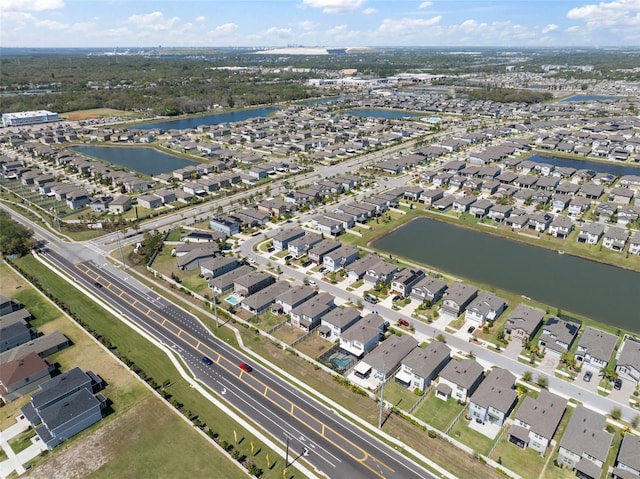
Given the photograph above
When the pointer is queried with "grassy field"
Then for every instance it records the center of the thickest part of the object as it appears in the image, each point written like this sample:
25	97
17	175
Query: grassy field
144	431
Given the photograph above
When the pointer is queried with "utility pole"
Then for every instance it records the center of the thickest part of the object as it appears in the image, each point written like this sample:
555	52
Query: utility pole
215	308
384	375
286	454
124	266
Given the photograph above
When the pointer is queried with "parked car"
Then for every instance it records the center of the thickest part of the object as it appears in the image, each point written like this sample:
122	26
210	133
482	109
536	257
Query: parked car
207	360
288	257
403	322
245	367
371	299
471	329
617	384
587	376
322	269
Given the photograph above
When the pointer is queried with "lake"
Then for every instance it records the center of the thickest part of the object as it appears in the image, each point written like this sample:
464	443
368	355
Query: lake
381	113
214	119
145	160
579	98
598	291
597	166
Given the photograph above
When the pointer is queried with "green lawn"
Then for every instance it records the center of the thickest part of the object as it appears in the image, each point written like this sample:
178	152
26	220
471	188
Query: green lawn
472	438
526	462
399	396
438	413
155	363
22	441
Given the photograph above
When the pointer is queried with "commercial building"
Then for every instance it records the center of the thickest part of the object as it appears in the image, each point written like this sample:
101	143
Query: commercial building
28	117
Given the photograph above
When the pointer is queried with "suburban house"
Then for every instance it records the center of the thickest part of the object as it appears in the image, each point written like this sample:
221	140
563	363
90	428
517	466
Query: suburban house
381	273
595	348
281	240
363	336
308	314
218	266
316	251
43	346
340	257
119	205
293	298
539	221
537	420
262	300
627	463
615	238
303	245
421	366
359	267
634	244
628	364
485	307
457	298
404	279
225	282
198	256
64	406
150	202
224	224
585	443
561	226
337	321
591	233
459	379
8	305
495	398
384	361
23	375
253	282
428	289
14	334
524	322
558	335
499	212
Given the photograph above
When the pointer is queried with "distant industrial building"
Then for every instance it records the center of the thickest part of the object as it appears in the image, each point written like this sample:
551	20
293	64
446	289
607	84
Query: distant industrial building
28	117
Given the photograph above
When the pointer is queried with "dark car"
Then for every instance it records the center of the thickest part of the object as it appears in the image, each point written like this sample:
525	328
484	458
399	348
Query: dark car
403	322
245	367
288	257
587	376
370	299
97	285
617	384
471	329
207	360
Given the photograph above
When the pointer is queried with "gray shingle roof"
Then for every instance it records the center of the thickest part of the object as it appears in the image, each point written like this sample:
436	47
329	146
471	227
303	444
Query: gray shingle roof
542	414
496	390
597	343
585	434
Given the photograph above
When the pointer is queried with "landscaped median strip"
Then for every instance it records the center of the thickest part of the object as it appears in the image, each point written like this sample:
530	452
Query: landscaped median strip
185	375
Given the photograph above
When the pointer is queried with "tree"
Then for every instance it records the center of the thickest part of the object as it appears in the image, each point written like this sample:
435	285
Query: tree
616	413
543	382
527	376
14	237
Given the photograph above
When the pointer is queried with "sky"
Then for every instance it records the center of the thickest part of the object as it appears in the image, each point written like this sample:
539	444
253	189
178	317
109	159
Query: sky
312	23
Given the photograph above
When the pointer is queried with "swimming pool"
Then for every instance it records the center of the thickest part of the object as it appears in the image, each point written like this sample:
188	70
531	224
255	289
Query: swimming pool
233	300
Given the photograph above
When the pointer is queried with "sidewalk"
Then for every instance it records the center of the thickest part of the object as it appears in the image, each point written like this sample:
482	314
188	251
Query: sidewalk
13	462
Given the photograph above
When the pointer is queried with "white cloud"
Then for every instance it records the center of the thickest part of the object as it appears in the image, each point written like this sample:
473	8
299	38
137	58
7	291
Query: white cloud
617	13
278	32
30	5
425	5
370	11
306	25
342	33
334	6
201	18
406	25
573	29
153	22
223	30
549	28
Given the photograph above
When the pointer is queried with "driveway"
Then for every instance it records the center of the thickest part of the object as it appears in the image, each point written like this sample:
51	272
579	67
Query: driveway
513	349
549	364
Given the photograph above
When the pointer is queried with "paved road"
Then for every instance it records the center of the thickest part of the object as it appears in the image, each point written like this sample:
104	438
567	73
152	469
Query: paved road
330	443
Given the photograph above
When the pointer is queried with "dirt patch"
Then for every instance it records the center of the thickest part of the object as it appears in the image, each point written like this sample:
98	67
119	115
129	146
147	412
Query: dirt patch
82	116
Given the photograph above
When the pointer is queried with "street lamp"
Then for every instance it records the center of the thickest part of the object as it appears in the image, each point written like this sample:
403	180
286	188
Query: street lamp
384	376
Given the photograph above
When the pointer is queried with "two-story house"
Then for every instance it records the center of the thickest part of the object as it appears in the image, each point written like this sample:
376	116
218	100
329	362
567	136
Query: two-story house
422	366
537	420
384	361
628	363
485	307
558	335
495	398
405	279
308	315
428	289
585	444
627	463
524	322
457	298
595	348
364	336
337	321
459	379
